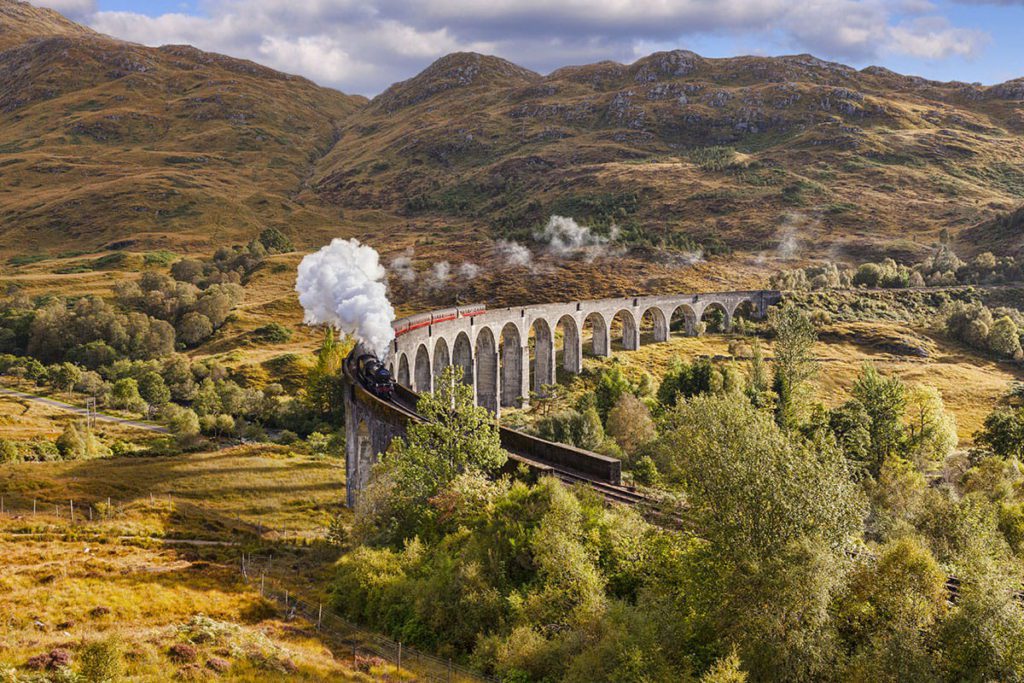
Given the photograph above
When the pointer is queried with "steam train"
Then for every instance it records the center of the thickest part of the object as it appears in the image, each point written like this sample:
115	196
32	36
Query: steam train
375	376
423	319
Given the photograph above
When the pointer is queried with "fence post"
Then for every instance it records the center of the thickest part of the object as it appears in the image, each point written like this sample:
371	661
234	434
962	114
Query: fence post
399	657
1	505
33	507
449	670
319	614
262	576
72	511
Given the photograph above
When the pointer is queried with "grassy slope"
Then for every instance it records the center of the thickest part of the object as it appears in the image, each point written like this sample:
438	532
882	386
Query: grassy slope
847	161
103	141
59	575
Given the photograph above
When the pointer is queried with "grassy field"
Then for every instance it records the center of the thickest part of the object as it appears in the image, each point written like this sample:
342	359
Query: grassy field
121	578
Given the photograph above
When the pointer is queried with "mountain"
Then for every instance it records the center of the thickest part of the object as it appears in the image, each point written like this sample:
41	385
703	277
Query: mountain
742	153
107	141
20	22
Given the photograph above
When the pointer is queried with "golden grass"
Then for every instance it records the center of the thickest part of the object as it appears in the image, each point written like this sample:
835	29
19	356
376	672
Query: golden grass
57	573
22	420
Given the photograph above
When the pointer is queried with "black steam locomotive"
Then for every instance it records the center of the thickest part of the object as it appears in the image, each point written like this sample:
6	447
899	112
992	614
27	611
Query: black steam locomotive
375	376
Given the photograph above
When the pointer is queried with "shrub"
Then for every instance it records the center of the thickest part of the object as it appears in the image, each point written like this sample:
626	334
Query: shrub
275	241
56	658
274	333
71	444
9	451
102	661
182	653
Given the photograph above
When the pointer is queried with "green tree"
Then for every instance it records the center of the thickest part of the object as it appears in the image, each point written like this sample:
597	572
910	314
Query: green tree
610	387
794	365
194	328
71	443
153	389
1003	433
930	428
1004	338
758	383
184	424
888	611
726	670
750	486
65	376
573	428
9	451
325	391
851	425
125	395
885	400
456	436
275	241
630	423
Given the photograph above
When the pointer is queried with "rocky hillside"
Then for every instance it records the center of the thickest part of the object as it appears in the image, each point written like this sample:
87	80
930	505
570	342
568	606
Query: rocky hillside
106	141
677	149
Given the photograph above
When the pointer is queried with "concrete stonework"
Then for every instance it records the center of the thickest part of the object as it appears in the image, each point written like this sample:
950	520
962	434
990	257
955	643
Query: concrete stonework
494	347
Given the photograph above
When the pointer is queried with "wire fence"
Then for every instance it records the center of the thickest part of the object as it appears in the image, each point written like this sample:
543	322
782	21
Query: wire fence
370	652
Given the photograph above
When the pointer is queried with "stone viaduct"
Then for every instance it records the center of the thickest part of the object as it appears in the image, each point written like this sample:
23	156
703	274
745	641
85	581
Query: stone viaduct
507	352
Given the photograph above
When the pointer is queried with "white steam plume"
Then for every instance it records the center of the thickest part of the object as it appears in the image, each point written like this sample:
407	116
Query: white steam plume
401	267
565	237
439	273
513	253
469	270
344	285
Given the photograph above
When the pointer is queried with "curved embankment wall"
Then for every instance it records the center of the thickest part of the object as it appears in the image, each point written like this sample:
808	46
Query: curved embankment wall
492	346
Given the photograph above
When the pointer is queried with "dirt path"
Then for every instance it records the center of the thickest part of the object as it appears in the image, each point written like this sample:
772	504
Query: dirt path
82	411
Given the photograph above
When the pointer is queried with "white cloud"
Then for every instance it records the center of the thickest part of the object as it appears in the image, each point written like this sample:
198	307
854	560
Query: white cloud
363	46
75	9
934	38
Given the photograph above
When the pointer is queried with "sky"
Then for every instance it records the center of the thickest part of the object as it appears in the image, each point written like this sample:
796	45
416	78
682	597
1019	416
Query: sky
362	46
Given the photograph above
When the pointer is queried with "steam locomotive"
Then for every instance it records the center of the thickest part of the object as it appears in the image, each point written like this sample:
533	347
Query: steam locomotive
375	376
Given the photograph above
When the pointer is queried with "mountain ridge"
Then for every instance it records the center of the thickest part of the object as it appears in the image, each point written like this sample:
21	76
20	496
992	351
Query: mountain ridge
104	141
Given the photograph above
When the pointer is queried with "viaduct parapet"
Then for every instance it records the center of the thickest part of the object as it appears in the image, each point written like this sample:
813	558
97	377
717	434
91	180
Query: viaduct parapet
506	352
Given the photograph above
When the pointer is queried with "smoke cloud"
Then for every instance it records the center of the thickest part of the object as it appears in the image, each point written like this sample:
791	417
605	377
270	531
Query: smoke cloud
513	253
344	285
469	270
789	235
565	237
401	267
440	272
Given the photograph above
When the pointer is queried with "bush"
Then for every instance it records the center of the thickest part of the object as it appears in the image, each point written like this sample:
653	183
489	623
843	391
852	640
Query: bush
275	241
102	661
9	451
71	444
274	333
182	653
